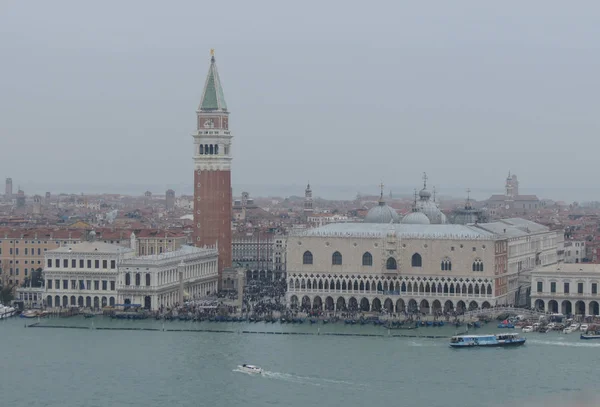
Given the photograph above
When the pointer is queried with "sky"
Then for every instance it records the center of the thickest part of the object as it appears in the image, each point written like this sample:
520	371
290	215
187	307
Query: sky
344	94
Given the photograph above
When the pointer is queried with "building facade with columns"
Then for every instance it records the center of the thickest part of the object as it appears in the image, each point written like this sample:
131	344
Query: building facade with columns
402	267
567	289
167	279
83	274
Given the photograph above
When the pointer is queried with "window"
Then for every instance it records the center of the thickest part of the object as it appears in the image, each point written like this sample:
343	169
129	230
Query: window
477	265
594	288
112	286
81	284
336	259
17	251
579	288
566	288
26	252
367	259
49	262
147	279
89	264
65	263
73	284
137	279
540	286
552	287
57	284
26	270
391	264
17	271
57	263
65	284
104	285
81	262
113	264
73	263
96	285
10	251
104	264
88	284
446	265
416	260
39	251
49	284
127	279
307	258
97	264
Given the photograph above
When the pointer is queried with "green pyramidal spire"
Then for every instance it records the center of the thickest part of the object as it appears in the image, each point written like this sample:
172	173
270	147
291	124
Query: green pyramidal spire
212	96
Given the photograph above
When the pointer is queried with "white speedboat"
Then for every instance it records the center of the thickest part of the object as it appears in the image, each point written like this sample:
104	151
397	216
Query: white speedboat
527	329
571	328
584	327
251	369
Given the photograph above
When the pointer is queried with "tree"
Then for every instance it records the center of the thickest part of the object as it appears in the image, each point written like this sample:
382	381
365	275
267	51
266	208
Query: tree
6	294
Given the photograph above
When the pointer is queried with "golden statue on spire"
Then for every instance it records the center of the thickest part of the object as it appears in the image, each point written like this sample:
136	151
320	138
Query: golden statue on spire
212	52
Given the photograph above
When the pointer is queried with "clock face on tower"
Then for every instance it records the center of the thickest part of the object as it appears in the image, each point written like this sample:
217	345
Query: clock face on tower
208	123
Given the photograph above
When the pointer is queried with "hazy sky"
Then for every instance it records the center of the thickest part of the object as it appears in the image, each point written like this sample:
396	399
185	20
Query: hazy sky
338	93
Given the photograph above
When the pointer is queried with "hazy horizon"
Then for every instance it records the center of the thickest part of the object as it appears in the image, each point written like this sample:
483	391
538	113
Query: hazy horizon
330	192
105	94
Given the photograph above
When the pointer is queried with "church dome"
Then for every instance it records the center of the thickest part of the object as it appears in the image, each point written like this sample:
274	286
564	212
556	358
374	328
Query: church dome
381	214
416	218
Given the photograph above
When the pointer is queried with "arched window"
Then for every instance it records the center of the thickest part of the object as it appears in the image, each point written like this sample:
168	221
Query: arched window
307	258
355	286
206	149
147	279
367	259
216	149
446	264
201	149
417	261
336	259
137	278
211	149
477	265
391	264
127	279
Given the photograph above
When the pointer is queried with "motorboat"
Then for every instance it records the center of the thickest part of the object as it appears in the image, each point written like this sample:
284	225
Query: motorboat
29	314
250	369
527	329
571	328
470	341
583	327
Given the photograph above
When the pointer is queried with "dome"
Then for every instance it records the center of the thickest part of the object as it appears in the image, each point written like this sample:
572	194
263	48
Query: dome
424	194
381	214
416	218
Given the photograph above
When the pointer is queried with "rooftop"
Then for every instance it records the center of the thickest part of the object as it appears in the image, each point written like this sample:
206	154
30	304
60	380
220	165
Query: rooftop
565	268
92	247
378	230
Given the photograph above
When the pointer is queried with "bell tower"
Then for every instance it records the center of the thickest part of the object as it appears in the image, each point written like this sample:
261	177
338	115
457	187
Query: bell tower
212	170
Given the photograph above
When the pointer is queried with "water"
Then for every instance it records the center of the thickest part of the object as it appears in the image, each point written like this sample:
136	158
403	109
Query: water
94	367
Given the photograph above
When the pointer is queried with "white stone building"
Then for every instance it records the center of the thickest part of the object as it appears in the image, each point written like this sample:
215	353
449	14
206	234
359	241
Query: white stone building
163	280
530	246
574	251
414	266
567	289
83	274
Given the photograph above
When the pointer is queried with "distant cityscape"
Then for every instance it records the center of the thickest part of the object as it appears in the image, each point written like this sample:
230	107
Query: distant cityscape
379	249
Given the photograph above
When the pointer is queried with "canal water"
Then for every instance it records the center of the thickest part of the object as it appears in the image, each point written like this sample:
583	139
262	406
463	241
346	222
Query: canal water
107	367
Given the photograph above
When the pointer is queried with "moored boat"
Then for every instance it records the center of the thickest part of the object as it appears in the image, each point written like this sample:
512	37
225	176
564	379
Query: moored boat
469	341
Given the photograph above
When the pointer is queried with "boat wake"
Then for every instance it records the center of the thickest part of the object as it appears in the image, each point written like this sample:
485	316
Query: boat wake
313	381
569	344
